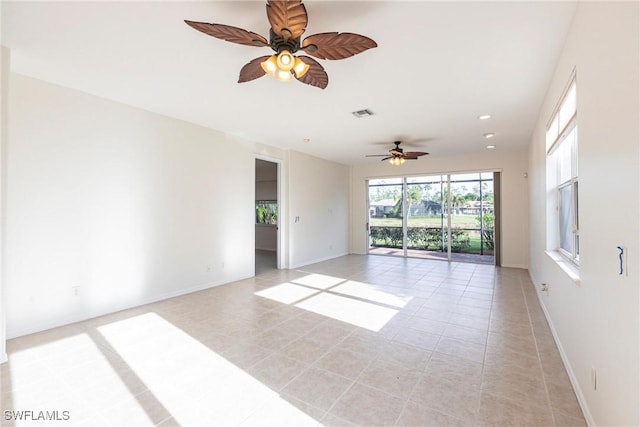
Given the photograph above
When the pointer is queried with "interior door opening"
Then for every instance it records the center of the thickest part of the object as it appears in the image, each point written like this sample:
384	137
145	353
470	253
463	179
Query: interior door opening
266	216
450	217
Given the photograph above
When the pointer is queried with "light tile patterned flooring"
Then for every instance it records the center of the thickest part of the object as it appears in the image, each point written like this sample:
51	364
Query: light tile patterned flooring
358	340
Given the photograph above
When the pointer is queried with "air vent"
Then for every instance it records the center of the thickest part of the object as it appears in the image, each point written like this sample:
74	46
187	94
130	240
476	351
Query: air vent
363	113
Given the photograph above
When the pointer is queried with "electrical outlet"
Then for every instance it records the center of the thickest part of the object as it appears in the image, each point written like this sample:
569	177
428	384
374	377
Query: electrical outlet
75	290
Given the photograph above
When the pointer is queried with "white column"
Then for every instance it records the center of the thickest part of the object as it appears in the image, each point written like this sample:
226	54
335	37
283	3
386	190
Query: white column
4	89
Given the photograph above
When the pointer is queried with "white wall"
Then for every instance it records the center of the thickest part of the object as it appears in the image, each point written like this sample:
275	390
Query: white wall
4	98
596	321
319	197
513	165
131	207
128	205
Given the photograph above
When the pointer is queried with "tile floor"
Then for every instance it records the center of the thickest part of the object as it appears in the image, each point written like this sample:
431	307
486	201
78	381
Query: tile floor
359	340
265	261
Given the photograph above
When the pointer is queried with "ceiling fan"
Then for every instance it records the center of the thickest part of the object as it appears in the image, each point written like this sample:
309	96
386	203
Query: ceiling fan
397	156
288	21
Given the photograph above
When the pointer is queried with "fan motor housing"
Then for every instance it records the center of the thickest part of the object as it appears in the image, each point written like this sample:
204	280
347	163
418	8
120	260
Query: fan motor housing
278	43
397	151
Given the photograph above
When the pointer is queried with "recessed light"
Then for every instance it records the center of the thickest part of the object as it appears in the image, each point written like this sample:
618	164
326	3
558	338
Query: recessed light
485	117
489	135
306	140
490	147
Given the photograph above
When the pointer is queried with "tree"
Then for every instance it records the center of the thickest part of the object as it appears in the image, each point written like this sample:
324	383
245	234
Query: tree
383	192
457	200
396	210
487	197
414	195
486	221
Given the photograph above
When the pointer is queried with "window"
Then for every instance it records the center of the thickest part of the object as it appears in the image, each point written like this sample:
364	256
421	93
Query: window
266	212
562	171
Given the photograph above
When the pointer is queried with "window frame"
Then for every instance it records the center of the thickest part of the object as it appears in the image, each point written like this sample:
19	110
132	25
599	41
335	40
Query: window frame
555	138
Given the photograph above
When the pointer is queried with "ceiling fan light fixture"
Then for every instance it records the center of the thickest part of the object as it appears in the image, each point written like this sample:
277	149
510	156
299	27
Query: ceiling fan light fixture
270	66
288	20
283	76
285	60
300	67
397	155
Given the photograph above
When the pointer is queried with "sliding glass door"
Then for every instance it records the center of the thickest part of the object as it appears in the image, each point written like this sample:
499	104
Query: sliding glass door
472	215
447	217
386	216
427	222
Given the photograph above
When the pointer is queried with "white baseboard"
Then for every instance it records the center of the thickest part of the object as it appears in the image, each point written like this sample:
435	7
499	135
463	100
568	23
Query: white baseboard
523	266
304	263
565	360
62	321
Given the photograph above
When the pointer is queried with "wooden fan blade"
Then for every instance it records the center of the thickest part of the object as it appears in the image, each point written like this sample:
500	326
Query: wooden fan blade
316	76
336	45
387	158
252	70
376	155
287	15
415	154
229	33
418	141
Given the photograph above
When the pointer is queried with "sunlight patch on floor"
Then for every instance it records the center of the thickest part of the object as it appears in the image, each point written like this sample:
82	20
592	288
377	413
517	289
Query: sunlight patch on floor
356	312
27	381
184	375
358	304
287	293
318	281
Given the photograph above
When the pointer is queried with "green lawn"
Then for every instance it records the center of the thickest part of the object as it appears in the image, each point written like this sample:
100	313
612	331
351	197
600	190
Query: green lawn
474	245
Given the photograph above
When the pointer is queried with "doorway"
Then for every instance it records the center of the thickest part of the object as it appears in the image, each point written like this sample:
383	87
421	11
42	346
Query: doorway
266	216
452	217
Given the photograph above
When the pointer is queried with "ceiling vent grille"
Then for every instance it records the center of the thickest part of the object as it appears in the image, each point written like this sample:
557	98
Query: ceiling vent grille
362	113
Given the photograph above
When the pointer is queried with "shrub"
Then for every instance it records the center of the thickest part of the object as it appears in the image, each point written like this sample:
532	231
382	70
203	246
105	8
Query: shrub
418	238
434	239
487	220
386	236
376	236
459	240
395	235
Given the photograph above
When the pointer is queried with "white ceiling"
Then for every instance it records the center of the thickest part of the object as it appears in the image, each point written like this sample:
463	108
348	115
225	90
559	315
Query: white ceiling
438	65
